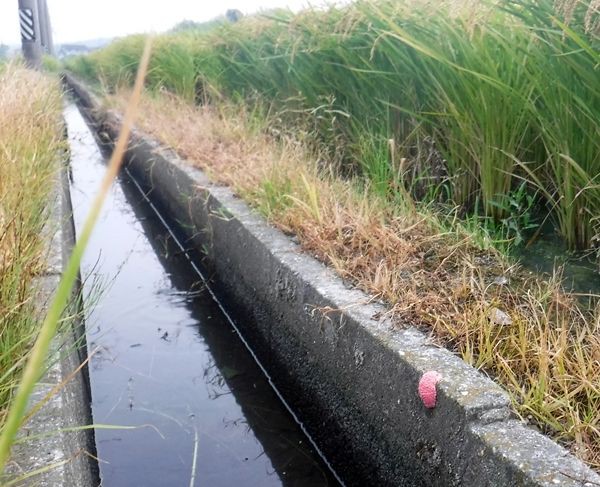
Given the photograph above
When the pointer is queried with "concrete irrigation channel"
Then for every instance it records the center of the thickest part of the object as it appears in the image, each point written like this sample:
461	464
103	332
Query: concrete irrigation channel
346	379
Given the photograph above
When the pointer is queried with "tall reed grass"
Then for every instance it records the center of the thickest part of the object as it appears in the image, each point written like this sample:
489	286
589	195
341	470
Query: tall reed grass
507	90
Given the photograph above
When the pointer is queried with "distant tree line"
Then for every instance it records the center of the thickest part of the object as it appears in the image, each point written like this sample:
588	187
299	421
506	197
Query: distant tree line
232	15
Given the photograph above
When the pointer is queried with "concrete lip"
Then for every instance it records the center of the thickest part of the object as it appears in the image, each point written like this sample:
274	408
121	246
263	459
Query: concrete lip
351	376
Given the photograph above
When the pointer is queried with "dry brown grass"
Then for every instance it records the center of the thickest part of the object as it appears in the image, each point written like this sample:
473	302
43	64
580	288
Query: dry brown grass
546	350
30	139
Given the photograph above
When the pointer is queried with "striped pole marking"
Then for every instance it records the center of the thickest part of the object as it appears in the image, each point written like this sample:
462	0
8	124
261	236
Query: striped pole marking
26	20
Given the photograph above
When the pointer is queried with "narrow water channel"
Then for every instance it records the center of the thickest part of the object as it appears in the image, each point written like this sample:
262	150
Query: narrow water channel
177	397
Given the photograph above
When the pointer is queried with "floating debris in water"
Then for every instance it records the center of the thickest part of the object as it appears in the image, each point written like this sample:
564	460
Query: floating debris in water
230	373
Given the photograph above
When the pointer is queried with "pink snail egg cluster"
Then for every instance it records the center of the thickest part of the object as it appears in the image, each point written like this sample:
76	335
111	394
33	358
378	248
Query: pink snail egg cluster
427	388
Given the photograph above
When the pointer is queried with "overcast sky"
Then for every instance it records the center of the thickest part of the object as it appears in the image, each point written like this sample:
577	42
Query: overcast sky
77	20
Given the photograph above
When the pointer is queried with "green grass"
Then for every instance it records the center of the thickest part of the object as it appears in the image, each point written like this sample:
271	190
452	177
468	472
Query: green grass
507	90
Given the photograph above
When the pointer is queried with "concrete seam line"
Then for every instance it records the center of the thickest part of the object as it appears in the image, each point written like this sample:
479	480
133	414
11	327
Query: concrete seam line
370	368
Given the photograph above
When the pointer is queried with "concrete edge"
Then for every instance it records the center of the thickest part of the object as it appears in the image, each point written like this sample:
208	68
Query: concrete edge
67	455
324	341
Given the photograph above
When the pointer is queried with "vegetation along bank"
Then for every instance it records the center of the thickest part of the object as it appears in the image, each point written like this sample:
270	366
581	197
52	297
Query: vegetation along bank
407	145
31	144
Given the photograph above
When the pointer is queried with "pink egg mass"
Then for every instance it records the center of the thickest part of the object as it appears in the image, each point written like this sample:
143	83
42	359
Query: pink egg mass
427	388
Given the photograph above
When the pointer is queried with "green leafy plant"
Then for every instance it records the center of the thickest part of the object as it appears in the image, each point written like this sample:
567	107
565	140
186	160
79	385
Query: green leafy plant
519	207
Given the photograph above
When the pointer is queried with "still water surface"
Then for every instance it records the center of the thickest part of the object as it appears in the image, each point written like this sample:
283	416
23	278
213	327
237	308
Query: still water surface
167	362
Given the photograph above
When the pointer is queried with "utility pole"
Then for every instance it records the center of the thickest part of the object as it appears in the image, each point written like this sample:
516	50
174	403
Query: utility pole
30	33
45	28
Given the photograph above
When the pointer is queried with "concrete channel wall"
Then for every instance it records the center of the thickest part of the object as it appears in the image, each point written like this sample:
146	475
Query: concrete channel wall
64	452
351	375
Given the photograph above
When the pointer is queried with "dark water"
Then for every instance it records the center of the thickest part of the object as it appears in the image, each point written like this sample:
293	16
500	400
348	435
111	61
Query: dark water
580	272
167	362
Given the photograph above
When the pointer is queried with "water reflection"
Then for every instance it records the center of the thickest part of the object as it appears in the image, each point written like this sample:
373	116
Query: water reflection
166	361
